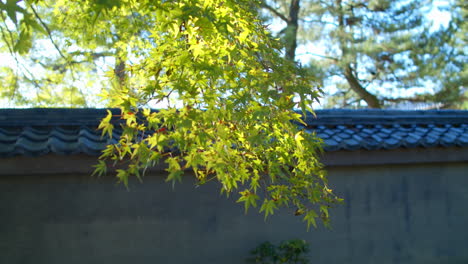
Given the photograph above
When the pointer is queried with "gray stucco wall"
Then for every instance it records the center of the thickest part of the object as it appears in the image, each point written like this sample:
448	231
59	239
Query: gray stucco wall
393	214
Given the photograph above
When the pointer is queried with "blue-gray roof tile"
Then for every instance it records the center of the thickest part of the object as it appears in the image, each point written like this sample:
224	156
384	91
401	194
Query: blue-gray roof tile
357	138
391	143
463	139
352	144
69	131
343	135
413	140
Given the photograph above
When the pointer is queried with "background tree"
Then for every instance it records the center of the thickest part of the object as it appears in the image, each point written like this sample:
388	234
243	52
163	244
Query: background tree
377	50
447	65
32	77
56	63
229	95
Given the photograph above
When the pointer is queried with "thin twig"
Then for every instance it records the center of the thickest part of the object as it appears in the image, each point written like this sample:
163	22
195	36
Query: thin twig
274	11
317	21
49	33
319	55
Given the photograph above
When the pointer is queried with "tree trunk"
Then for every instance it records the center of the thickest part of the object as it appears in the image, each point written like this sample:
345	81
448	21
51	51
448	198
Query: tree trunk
291	30
370	99
119	70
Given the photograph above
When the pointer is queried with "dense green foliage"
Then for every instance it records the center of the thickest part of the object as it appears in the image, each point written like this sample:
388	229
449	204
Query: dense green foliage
379	53
228	94
35	75
290	252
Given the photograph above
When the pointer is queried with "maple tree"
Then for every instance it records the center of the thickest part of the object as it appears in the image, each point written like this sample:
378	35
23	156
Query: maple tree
230	98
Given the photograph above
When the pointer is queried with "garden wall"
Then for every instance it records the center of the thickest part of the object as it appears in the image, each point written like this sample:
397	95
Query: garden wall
414	213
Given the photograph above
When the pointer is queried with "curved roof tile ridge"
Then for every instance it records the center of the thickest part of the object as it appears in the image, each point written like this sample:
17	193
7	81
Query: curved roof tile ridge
53	116
92	116
39	131
386	117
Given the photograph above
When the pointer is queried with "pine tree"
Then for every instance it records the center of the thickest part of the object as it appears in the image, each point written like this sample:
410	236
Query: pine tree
376	50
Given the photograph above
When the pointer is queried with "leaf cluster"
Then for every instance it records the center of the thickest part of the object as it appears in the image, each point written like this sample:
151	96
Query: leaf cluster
289	251
230	101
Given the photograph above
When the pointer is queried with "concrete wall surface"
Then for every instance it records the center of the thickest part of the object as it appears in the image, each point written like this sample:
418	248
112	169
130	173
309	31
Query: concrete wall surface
393	214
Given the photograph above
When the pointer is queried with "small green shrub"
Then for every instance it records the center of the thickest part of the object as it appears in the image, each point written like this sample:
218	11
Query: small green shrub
289	251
